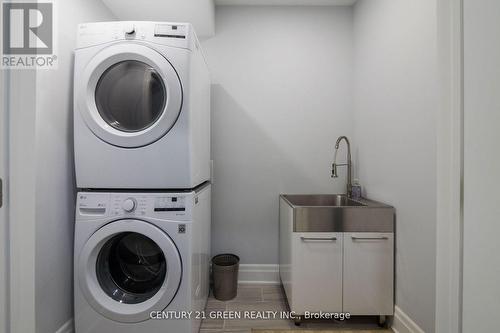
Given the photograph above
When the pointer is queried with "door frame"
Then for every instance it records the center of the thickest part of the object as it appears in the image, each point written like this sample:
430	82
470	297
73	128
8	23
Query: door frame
449	187
4	226
21	168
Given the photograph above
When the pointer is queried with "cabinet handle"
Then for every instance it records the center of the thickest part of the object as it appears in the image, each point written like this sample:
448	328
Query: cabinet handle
369	238
305	239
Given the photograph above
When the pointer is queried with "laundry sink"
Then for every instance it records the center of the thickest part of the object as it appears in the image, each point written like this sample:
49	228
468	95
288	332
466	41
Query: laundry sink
337	213
334	251
322	200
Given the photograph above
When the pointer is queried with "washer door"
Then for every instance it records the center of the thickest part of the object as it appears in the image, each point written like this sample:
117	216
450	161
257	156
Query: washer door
129	268
130	95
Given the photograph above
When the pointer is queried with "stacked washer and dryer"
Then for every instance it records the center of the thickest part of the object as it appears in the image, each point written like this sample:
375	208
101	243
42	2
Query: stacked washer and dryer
142	160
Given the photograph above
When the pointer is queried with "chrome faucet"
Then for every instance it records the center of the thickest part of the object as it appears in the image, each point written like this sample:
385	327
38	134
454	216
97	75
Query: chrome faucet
348	164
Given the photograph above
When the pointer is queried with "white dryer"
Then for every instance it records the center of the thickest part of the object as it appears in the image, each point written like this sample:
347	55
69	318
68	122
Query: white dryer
139	259
141	107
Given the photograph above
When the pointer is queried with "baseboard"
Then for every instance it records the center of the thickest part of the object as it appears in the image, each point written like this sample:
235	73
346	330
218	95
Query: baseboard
403	323
67	327
258	274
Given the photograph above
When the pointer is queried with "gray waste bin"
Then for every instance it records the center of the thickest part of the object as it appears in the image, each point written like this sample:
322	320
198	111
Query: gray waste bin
225	274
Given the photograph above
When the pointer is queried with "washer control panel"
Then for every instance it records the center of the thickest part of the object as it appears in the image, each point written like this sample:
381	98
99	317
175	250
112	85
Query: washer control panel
159	205
170	204
92	204
128	205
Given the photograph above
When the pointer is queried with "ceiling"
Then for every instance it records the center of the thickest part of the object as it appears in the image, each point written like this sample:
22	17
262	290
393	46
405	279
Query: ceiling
285	2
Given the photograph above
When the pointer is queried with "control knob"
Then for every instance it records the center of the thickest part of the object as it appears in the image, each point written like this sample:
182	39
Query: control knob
129	205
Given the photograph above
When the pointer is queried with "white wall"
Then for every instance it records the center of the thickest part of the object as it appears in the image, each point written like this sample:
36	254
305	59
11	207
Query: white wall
395	108
55	183
281	96
481	266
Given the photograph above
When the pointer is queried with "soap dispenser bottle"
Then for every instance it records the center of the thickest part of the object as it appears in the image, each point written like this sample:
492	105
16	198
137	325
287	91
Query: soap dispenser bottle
356	190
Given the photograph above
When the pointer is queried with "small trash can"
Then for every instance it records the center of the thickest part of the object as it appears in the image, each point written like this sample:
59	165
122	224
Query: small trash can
225	274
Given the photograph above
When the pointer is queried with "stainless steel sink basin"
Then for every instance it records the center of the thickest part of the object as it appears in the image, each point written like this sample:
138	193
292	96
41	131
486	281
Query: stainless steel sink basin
338	213
322	200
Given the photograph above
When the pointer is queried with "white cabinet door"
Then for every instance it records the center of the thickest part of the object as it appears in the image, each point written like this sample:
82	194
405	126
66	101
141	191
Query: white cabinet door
368	273
317	272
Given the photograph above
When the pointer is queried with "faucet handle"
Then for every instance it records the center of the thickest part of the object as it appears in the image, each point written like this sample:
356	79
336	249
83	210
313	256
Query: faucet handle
334	170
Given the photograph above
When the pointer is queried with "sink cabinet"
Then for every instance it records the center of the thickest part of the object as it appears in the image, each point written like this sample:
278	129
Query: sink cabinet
317	272
368	273
339	268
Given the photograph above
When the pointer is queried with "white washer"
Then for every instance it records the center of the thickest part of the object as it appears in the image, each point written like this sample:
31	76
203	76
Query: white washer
138	256
141	106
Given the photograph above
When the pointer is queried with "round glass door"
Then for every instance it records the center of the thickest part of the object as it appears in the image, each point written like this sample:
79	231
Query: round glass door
127	269
131	268
130	96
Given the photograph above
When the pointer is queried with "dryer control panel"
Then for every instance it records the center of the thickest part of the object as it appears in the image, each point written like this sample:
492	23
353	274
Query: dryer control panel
163	33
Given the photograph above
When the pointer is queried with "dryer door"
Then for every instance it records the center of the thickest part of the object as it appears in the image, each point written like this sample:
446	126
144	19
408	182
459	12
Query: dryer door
129	268
130	95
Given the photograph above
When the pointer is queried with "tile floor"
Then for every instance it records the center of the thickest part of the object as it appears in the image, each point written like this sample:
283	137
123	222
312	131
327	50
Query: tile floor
268	298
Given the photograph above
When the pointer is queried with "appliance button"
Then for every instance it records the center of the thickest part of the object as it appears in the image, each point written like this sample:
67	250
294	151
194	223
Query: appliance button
129	205
129	29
